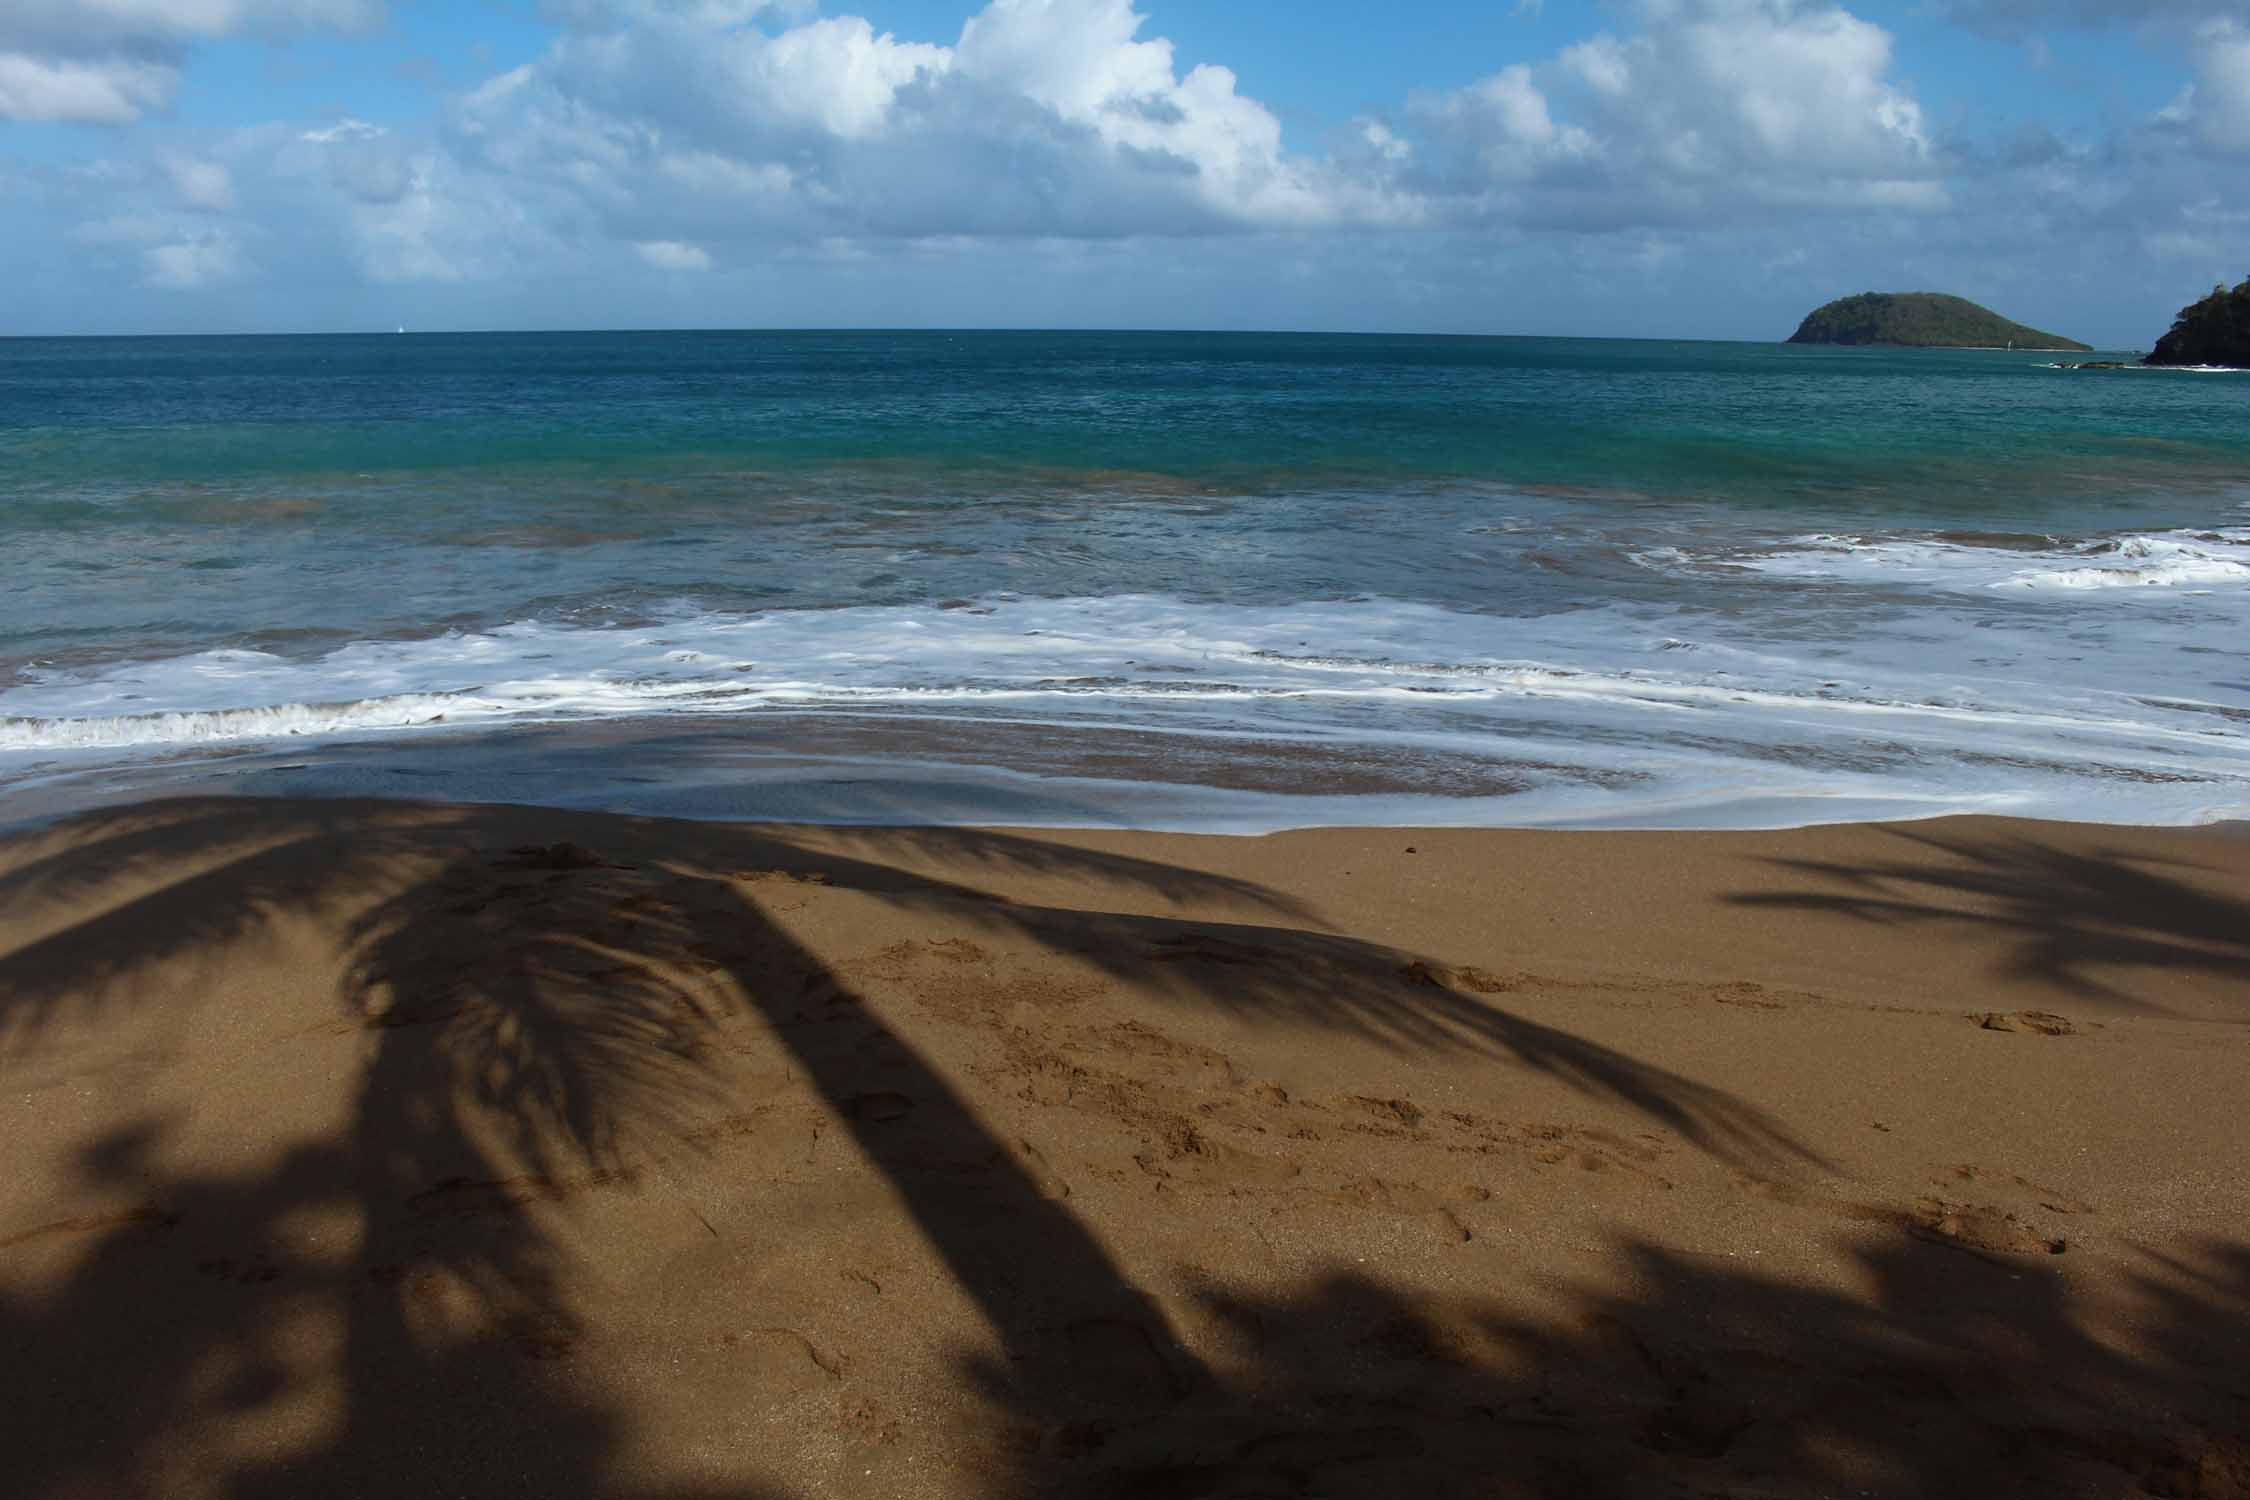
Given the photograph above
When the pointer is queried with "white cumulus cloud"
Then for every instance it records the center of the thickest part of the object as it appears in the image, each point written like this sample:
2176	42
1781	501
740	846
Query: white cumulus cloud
184	265
94	91
108	62
1060	160
2029	17
1044	117
2219	108
671	255
1708	107
206	185
346	129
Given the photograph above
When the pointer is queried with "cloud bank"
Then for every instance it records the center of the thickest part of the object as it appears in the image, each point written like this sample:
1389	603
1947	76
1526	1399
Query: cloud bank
667	144
108	62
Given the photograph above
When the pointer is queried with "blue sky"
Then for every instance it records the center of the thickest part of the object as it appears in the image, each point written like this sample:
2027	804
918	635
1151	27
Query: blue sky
1675	168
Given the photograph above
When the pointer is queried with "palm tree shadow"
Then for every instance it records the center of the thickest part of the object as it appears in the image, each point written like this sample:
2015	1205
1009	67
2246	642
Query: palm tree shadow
1951	1375
518	1021
377	1307
2073	917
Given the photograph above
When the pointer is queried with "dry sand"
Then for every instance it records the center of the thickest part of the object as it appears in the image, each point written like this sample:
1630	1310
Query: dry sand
390	1149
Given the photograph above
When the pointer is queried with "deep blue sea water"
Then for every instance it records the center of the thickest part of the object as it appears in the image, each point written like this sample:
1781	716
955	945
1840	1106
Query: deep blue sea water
1265	579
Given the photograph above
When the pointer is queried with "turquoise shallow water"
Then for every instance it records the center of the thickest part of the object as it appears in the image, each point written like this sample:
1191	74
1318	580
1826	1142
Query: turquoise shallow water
1631	580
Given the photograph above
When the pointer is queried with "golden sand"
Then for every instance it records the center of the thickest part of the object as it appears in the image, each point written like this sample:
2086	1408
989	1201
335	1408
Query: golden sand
365	1148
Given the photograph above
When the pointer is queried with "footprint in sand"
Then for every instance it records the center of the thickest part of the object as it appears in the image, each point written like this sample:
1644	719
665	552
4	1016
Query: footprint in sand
1118	1364
880	1107
1213	1321
1985	1228
731	1128
1979	1228
998	1173
542	1336
504	1195
1044	1179
1595	1150
1424	974
256	1271
1411	1200
149	1220
2035	1022
1279	1463
1202	1065
1745	996
403	1014
563	856
1424	1335
1389	1116
901	957
777	1363
1186	1154
1197	947
2010	1185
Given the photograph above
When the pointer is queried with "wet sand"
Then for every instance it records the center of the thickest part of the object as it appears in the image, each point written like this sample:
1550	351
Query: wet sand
383	1148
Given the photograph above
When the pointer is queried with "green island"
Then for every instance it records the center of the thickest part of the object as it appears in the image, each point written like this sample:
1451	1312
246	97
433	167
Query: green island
1921	320
2214	331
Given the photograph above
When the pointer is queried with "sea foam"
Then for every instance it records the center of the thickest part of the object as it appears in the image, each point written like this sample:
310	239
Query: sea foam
2180	559
1619	705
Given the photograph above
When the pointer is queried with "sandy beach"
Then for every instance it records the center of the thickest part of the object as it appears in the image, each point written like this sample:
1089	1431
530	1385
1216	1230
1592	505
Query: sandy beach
382	1148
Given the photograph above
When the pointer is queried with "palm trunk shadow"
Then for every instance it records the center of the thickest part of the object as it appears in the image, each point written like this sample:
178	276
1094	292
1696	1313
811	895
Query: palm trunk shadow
1076	1336
573	1009
526	1018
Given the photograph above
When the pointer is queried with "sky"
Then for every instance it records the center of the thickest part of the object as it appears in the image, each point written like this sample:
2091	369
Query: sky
1650	168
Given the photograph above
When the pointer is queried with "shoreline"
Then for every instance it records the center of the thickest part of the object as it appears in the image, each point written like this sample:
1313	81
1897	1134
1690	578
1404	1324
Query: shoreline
393	1147
817	767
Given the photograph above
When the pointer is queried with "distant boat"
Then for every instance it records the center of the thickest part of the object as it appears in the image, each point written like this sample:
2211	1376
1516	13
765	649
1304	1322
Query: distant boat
402	328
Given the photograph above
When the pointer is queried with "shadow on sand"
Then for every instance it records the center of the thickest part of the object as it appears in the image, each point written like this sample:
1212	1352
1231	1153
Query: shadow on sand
2077	919
394	1319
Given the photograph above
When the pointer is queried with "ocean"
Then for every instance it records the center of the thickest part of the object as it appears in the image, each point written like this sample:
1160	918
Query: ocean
1211	581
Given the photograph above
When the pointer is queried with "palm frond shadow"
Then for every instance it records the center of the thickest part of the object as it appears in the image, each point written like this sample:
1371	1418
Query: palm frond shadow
2072	916
1950	1375
522	1013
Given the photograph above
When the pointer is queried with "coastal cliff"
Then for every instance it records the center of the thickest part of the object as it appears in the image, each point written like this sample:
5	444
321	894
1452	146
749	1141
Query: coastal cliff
2214	331
1921	320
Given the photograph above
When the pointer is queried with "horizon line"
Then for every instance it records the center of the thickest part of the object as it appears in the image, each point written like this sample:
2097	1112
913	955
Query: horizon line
881	328
1008	329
